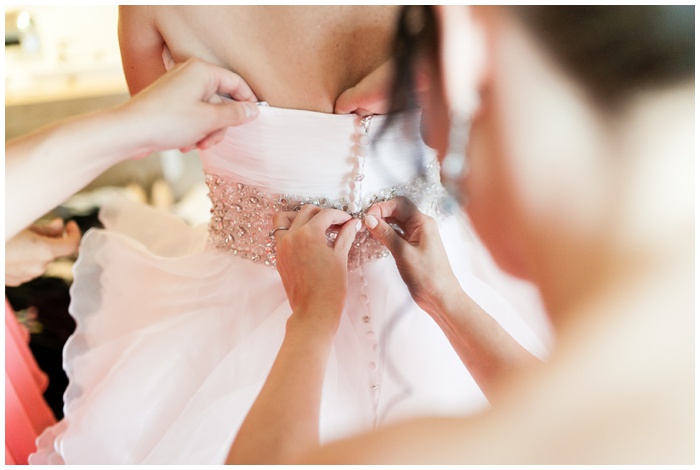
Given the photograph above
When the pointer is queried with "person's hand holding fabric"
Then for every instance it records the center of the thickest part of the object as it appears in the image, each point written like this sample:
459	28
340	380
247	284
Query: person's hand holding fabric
484	347
314	275
189	107
419	253
185	108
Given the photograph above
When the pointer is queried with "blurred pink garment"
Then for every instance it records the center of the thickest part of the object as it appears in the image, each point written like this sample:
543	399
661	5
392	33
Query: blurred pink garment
26	412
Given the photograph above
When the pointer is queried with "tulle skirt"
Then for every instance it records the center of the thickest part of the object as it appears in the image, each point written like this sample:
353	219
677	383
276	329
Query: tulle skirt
174	340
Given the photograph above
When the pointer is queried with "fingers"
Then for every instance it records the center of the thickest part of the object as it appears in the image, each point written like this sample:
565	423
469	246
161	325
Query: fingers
229	83
400	209
209	141
346	236
385	234
233	113
323	219
52	229
226	114
72	230
319	221
304	215
68	244
282	219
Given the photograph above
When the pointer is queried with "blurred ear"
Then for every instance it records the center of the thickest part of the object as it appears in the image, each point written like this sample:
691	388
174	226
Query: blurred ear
462	56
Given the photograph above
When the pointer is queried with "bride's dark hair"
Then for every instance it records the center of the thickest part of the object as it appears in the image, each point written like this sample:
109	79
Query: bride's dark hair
612	51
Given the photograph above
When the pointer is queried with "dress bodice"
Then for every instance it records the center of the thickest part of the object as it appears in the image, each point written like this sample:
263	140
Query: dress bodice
312	154
286	158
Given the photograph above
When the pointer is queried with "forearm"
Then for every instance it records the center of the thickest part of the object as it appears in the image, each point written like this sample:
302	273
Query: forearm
284	420
485	348
46	167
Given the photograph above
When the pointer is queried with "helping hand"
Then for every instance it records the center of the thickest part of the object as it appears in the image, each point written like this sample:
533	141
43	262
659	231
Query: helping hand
28	253
186	107
419	254
314	275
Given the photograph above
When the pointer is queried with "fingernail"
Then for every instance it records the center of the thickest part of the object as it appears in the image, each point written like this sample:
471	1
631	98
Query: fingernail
251	110
371	221
358	225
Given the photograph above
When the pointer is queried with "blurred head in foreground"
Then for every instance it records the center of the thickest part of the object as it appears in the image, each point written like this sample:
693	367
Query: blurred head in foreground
580	155
567	135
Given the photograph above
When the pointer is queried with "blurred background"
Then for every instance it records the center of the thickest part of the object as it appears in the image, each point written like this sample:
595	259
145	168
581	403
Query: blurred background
61	61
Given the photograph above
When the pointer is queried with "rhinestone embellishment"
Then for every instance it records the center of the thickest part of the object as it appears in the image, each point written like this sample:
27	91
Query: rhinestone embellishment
241	215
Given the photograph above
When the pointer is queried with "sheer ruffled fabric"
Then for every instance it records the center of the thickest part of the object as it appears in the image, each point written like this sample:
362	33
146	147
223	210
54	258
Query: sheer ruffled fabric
175	338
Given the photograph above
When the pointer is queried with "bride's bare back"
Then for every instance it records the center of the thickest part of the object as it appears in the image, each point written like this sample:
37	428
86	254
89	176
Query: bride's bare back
292	56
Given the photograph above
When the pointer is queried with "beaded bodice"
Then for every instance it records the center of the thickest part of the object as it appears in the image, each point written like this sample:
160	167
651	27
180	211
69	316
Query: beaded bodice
287	158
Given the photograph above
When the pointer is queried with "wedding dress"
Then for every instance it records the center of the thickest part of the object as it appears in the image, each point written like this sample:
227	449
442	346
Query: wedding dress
178	326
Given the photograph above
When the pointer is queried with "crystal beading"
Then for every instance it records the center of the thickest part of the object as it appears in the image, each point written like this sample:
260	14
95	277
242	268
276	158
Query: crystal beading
241	215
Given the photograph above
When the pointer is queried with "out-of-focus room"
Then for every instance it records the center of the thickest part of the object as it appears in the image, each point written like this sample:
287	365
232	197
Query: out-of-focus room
61	61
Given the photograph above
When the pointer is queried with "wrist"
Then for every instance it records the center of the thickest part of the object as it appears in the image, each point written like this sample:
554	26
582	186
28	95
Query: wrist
138	133
449	298
319	318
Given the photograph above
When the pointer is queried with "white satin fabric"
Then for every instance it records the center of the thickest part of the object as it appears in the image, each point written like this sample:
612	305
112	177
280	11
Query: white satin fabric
308	153
175	338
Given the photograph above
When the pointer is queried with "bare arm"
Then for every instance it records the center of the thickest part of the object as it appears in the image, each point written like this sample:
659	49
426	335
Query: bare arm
46	167
141	46
283	422
182	109
484	347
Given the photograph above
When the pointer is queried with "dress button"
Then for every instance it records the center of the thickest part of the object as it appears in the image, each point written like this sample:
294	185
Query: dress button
365	319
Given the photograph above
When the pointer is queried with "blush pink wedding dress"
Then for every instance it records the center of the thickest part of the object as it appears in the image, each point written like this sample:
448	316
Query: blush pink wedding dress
178	326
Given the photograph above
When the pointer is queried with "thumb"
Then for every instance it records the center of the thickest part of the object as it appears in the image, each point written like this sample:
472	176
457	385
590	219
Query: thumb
226	114
347	235
68	244
234	113
209	141
385	234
